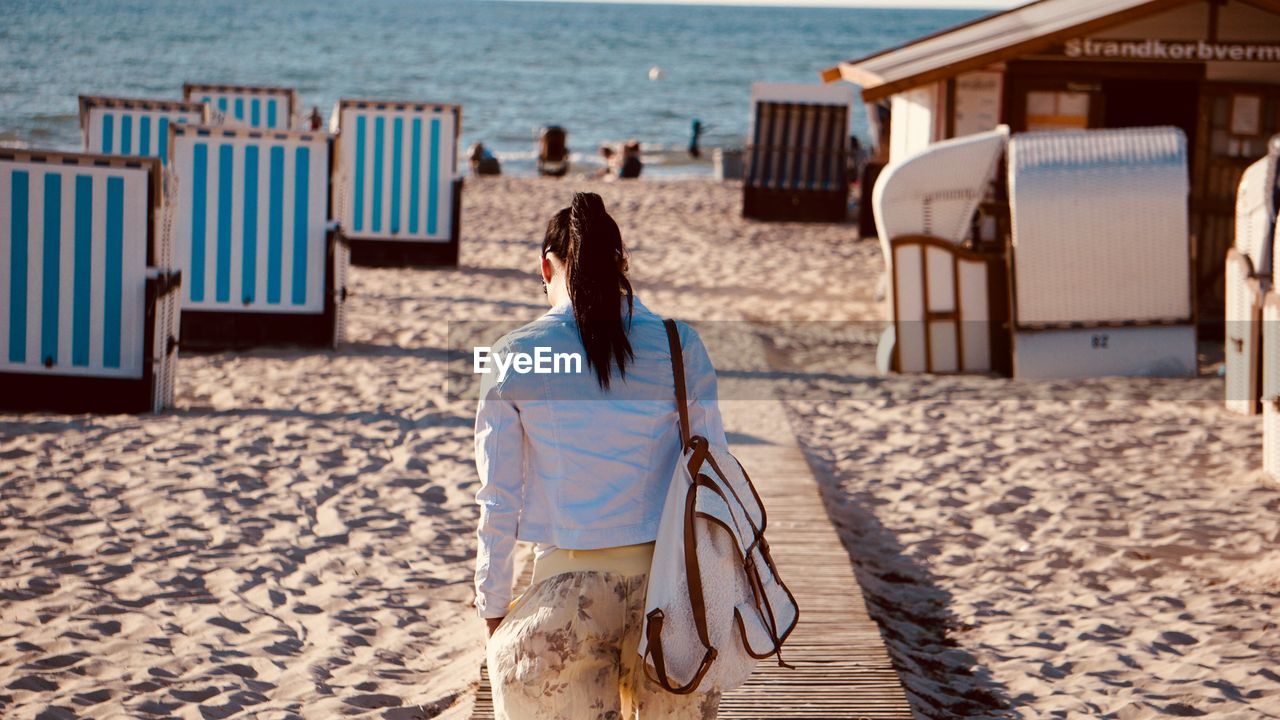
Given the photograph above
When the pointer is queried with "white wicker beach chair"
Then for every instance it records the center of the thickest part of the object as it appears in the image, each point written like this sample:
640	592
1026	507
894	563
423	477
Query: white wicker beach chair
88	301
254	106
936	191
796	156
1270	336
130	126
943	296
1243	352
397	193
250	217
1101	254
1248	277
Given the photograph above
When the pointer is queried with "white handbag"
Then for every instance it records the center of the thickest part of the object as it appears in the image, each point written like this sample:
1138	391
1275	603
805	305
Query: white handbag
715	604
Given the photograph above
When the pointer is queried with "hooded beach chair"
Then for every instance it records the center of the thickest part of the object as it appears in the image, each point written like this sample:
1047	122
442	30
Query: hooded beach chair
1248	278
397	193
88	301
250	214
1101	254
130	126
948	302
254	106
796	154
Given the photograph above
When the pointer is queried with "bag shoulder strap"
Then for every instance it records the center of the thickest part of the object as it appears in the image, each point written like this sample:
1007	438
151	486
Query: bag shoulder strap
677	371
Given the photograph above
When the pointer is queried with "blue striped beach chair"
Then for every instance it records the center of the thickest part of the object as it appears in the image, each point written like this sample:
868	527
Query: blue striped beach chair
88	301
796	155
249	211
129	126
396	192
255	106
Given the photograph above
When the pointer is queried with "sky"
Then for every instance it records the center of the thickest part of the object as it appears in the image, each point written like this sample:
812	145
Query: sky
955	4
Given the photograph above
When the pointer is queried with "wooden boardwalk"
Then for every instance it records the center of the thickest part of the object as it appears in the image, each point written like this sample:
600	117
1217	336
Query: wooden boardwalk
842	666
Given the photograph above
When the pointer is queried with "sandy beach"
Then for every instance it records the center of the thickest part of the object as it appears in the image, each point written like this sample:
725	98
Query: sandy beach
296	538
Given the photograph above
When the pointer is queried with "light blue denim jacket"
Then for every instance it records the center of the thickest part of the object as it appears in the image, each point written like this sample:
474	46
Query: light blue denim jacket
563	462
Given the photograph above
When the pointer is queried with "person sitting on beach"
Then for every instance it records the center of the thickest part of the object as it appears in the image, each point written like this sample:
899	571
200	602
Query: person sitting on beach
579	462
482	161
553	152
631	163
607	155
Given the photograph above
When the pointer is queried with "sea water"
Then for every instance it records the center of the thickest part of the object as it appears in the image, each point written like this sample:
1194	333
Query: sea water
513	66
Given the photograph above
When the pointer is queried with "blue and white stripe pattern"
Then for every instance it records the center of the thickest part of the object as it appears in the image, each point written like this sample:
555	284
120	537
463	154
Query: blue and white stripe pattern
247	106
121	127
73	258
397	163
250	219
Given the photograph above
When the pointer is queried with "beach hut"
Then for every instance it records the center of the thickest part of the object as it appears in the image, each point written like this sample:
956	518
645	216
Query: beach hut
88	301
796	154
397	192
949	301
255	106
250	215
1209	67
1248	278
1101	255
131	126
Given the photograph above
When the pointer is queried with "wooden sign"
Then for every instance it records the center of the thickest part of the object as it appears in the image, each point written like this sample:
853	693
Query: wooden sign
1157	50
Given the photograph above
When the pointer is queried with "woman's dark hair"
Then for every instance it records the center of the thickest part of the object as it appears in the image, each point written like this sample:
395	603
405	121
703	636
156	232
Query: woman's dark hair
589	243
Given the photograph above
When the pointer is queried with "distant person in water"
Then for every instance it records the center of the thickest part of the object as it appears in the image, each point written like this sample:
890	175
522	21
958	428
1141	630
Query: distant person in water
695	133
631	163
853	161
314	119
482	161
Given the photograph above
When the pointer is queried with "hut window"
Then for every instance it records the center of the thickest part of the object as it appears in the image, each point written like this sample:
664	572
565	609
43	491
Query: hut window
1057	110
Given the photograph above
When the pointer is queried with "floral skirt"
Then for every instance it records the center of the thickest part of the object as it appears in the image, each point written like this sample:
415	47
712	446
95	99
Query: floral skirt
567	650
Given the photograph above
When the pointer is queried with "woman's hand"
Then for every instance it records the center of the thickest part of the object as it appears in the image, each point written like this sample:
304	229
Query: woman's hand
493	624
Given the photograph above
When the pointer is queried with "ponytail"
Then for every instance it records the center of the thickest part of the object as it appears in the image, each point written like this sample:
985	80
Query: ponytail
590	244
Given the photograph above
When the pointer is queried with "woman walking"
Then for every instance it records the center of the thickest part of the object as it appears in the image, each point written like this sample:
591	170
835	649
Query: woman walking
578	463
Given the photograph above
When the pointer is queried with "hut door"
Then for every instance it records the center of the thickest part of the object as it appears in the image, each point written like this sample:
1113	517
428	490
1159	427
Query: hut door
1236	120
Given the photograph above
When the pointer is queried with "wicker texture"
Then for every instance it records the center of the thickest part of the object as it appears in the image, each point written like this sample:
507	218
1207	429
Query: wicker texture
1244	307
1100	226
1256	214
1271	385
341	267
936	191
168	306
